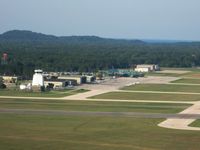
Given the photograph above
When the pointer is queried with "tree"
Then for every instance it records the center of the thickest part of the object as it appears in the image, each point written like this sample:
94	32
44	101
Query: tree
2	85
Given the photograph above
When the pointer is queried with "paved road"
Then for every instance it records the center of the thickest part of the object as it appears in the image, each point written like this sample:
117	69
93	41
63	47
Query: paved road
84	96
98	100
88	113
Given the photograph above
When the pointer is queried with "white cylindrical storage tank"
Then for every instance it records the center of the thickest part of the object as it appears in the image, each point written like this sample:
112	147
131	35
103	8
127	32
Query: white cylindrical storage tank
22	87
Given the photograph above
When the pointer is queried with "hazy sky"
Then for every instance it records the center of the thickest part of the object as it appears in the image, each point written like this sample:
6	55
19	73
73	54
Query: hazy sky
143	19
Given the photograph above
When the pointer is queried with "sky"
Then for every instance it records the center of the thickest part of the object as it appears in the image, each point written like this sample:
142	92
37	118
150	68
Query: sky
129	19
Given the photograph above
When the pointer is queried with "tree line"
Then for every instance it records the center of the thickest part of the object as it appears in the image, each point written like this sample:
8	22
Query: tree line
24	58
92	54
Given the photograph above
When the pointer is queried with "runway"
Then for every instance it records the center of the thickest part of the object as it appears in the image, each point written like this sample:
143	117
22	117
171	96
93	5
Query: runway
92	113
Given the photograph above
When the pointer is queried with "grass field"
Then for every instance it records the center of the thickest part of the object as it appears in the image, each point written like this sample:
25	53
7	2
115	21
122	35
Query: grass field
92	106
164	88
147	96
91	133
61	93
49	132
195	123
187	80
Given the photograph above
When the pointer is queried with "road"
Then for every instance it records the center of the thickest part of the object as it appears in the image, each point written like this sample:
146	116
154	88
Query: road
83	98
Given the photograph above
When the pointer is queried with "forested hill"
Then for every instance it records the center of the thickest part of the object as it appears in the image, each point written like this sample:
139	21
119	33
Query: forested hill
29	36
28	50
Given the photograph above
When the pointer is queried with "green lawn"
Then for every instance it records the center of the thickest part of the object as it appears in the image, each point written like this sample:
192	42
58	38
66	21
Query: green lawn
190	81
61	93
147	96
195	123
26	132
164	88
92	106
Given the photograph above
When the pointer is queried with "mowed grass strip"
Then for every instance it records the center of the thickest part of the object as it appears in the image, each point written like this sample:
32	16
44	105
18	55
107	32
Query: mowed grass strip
164	88
190	81
148	96
54	94
88	133
195	123
92	106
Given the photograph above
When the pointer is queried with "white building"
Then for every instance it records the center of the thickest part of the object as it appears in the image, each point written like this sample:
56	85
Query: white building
147	68
142	69
22	87
38	79
90	79
25	86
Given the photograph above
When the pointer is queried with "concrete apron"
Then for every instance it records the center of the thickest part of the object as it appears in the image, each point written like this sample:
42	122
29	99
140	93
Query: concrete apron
182	123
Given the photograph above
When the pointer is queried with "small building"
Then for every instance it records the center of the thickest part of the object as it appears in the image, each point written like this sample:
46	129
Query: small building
79	79
90	79
22	87
27	87
100	75
59	83
147	68
10	79
55	83
142	69
71	82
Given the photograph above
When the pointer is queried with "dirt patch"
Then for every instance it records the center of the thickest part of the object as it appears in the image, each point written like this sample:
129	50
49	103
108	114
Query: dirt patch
197	75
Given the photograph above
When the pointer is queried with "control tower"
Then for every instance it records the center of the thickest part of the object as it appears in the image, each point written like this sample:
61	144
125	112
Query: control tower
38	79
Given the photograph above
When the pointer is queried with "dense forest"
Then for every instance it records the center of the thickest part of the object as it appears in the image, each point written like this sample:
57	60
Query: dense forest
28	50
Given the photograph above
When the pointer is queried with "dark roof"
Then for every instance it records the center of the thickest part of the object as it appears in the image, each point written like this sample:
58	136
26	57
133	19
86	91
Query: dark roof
58	80
55	80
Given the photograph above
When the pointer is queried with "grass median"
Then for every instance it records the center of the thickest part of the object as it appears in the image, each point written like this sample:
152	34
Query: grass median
164	88
61	93
91	106
195	123
148	96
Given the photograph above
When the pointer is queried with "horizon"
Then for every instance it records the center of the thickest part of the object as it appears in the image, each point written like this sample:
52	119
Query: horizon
126	19
144	40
